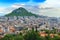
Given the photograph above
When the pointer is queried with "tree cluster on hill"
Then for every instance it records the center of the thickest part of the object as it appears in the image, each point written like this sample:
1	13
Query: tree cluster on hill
21	12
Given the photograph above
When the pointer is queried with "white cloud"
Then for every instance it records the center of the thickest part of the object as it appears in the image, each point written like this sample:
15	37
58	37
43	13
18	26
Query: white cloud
17	5
11	8
5	10
50	8
1	9
51	3
53	12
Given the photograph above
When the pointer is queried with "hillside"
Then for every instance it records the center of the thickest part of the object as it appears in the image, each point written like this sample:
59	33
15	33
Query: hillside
20	12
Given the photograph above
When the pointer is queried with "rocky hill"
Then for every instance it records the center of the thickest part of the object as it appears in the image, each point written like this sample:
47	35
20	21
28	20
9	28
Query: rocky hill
20	12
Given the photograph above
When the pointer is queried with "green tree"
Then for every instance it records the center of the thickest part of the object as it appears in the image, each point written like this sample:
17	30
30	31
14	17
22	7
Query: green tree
18	38
32	35
8	37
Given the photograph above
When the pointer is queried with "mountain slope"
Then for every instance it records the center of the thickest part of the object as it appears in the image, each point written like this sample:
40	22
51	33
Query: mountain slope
20	12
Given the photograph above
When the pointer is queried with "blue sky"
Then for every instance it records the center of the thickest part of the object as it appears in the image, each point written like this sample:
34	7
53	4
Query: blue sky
13	1
6	3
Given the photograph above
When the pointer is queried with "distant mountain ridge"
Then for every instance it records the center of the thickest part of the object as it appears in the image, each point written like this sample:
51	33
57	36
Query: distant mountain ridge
20	12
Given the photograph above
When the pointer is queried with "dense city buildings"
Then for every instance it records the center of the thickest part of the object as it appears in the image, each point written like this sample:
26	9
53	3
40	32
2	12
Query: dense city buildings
15	24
